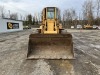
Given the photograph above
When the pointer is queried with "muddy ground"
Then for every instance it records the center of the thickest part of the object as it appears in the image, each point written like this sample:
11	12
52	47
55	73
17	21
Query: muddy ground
13	50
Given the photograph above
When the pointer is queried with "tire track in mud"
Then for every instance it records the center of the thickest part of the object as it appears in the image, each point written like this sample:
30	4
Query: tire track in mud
13	60
84	56
12	35
82	64
46	67
13	56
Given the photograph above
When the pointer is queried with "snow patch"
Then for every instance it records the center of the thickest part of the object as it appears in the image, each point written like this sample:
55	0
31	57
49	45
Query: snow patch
97	46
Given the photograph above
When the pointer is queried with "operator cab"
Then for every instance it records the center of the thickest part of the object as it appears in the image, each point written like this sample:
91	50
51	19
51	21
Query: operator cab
50	19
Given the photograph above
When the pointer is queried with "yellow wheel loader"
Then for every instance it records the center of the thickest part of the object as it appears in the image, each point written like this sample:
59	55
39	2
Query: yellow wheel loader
51	42
88	26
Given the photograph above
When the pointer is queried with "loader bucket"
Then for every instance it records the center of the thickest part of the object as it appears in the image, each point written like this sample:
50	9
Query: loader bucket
50	46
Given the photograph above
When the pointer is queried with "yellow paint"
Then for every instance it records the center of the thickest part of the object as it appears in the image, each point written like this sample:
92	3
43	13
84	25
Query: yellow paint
50	26
88	26
10	25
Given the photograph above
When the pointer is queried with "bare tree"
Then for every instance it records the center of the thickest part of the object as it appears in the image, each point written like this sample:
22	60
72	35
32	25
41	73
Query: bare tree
98	11
88	8
14	16
80	18
98	8
69	17
2	11
21	17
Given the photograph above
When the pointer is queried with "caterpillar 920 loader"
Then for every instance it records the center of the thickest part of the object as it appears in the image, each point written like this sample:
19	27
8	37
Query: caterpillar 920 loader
51	42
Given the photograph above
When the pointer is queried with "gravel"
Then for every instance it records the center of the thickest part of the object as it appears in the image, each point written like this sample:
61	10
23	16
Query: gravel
42	68
13	50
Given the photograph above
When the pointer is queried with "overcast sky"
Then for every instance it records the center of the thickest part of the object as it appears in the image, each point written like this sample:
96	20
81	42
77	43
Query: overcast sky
34	6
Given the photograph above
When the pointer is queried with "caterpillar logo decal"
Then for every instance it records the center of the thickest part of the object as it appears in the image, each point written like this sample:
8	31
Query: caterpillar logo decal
12	25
